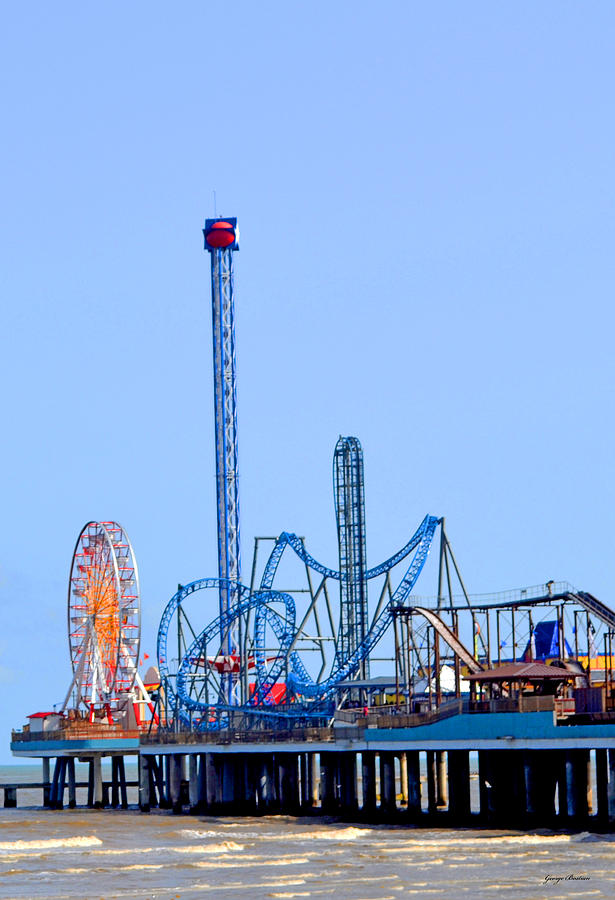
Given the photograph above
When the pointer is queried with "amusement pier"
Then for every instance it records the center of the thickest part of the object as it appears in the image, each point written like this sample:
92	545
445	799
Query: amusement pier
305	689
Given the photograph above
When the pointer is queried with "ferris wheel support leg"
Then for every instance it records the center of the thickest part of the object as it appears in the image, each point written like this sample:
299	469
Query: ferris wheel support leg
78	673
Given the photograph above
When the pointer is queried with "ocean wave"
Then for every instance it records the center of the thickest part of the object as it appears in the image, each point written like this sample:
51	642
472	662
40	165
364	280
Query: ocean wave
587	837
51	843
220	847
223	847
460	842
350	833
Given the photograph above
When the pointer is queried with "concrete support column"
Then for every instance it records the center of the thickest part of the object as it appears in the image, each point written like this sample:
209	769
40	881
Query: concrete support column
388	799
459	785
306	788
55	784
441	790
540	775
265	788
368	775
160	768
46	781
287	782
348	783
590	800
252	776
203	795
314	779
56	798
602	786
485	782
403	778
576	763
98	799
431	782
413	766
121	772
193	783
90	783
72	788
611	785
209	780
226	777
244	790
508	787
151	780
512	776
166	767
144	783
115	782
328	773
176	761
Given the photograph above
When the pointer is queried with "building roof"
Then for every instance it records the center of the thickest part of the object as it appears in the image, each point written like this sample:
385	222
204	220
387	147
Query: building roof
43	715
372	684
528	671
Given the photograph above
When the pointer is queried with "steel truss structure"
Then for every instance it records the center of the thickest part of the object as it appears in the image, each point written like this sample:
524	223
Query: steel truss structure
350	511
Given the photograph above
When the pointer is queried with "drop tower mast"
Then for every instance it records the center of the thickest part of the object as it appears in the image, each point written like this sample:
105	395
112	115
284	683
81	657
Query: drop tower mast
221	241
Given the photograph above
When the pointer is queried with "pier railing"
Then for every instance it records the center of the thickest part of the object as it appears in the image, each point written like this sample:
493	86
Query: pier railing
296	735
83	732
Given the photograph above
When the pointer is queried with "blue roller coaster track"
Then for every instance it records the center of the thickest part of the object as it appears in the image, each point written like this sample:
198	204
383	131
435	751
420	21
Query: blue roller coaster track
190	690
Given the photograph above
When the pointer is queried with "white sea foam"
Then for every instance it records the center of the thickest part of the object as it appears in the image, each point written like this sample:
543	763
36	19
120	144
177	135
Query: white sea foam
289	894
334	834
220	847
191	834
51	843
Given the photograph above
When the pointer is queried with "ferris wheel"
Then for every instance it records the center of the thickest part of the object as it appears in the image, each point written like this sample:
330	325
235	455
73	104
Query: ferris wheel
104	616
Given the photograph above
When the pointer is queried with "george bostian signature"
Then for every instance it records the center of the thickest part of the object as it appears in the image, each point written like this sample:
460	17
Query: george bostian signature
555	879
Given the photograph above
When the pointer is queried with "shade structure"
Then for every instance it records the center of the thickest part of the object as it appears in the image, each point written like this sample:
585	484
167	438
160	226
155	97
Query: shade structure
523	672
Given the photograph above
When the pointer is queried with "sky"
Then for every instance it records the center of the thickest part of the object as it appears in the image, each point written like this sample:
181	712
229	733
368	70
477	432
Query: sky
425	194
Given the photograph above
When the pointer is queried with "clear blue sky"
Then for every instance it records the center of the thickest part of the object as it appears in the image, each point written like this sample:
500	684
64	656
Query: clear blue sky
426	200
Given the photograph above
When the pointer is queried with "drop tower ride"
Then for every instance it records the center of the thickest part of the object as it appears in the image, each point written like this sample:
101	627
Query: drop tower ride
221	241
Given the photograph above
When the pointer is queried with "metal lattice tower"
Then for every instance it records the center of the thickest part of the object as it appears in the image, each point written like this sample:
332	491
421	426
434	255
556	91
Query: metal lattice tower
221	240
350	510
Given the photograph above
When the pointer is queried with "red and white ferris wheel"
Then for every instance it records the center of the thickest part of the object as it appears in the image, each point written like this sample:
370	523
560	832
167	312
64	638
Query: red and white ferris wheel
104	616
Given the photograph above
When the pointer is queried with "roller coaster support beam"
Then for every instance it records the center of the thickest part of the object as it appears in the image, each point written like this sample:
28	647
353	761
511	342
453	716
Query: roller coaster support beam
348	484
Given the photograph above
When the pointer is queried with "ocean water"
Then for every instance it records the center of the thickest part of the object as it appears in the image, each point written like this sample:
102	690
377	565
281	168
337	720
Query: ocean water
91	854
